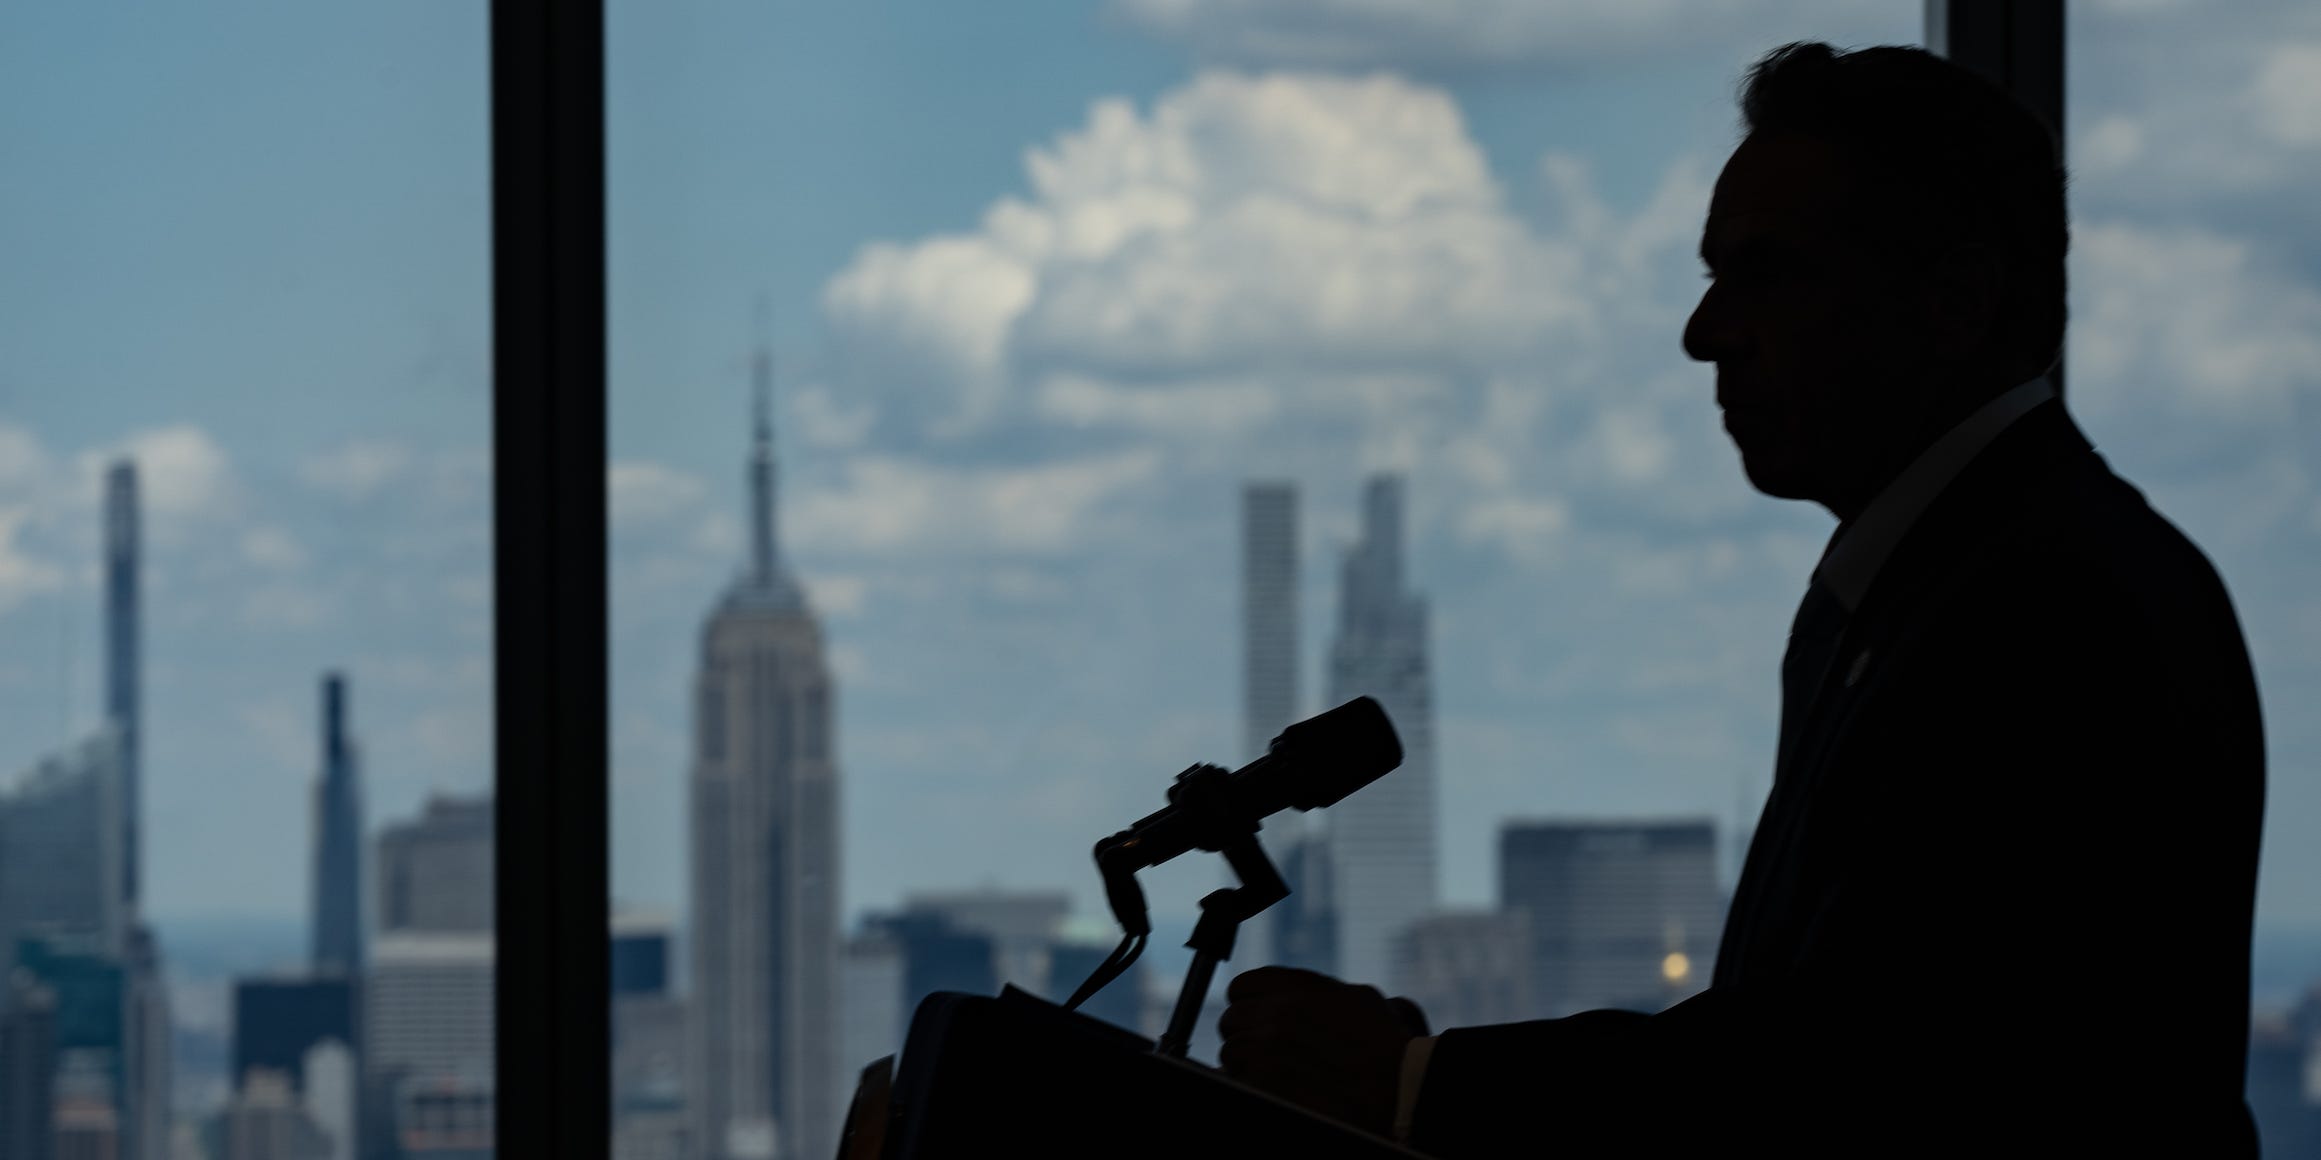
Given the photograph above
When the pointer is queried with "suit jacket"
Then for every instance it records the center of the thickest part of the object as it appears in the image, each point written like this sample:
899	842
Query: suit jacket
1999	899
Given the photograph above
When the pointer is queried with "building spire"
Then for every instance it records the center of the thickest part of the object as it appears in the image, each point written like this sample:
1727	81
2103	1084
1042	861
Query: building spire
765	551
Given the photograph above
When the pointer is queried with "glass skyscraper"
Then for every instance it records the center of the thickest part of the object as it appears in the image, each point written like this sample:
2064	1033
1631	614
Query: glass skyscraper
1382	840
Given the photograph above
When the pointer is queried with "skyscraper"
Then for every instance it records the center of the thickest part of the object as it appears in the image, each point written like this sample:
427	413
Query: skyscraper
1621	914
435	871
1466	969
1269	674
337	927
1269	613
1382	840
873	971
764	1079
1022	926
266	1122
60	858
427	1039
121	655
27	1066
278	1020
69	869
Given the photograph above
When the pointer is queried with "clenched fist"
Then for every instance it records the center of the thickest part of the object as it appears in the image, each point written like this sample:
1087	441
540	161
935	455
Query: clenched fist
1328	1046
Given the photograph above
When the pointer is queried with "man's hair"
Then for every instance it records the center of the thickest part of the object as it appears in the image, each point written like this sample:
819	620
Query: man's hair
1947	157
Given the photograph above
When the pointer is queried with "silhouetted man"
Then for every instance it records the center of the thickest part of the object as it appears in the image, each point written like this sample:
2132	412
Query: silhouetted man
1999	899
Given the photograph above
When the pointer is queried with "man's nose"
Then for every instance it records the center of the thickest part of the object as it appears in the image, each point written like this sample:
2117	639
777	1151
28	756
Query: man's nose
1711	334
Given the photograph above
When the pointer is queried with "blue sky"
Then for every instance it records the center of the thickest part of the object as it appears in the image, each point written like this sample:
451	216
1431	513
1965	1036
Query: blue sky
1046	281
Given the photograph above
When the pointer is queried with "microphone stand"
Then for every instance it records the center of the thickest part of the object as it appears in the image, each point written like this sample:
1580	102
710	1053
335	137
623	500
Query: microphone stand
1222	913
1200	795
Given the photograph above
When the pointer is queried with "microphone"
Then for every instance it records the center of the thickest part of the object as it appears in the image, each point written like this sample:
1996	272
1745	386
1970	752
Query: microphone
1313	764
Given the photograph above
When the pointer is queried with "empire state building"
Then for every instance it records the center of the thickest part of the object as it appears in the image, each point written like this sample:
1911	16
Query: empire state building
765	857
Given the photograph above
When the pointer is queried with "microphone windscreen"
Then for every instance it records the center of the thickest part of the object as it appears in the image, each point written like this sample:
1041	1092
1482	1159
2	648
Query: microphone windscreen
1319	760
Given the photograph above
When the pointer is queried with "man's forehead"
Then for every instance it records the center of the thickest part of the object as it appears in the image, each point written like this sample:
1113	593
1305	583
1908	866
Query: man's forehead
1781	175
1777	178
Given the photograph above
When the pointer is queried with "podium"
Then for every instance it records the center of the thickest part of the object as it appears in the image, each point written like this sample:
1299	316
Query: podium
1018	1076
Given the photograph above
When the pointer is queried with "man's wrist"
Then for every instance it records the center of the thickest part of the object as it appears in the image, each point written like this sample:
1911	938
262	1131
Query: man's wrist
1415	1056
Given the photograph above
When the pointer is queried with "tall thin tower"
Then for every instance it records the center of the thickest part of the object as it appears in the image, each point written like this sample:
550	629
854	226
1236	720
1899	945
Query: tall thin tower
764	1032
1269	613
337	927
146	1055
1269	688
1382	840
121	655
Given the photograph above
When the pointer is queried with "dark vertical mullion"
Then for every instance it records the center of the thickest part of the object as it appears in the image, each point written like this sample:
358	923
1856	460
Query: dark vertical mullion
2018	44
548	446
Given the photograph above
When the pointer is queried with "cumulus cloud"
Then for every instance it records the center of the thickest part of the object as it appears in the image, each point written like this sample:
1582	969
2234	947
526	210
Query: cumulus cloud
2286	91
272	548
1480	35
640	493
2113	143
1269	225
182	474
22	574
22	460
883	503
357	470
825	422
2186	325
2175	111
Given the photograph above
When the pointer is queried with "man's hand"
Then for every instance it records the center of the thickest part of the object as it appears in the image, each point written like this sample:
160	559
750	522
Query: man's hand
1332	1047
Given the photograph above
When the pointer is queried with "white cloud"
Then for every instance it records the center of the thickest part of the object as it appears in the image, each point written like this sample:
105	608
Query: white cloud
2186	324
357	470
23	463
1635	450
22	575
2114	143
826	424
182	474
2181	109
942	309
882	504
1526	529
1492	35
1243	227
1208	408
2287	93
272	548
640	493
1276	269
835	594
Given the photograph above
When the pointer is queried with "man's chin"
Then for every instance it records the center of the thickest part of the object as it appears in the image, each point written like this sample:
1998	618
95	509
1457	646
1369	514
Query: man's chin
1775	477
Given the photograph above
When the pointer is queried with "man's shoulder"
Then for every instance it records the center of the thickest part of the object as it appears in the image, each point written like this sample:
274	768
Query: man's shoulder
2084	568
2091	541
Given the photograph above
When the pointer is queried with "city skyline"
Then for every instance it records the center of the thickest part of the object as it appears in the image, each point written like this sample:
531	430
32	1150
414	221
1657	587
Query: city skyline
1016	451
312	527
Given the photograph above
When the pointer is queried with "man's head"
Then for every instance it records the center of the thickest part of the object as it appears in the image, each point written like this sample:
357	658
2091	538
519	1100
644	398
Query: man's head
1885	253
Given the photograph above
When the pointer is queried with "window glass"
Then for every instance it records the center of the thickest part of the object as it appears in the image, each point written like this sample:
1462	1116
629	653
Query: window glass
1036	399
2195	367
245	548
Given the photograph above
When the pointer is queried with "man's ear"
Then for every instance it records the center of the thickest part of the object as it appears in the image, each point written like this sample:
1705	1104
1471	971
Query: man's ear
1965	292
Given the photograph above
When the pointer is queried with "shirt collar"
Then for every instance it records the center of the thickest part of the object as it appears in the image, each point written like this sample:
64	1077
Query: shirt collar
1860	548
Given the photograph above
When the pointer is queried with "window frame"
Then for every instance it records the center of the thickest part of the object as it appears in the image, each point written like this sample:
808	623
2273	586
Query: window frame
552	990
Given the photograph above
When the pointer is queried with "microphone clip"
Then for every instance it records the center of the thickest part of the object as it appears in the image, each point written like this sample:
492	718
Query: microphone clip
1203	798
